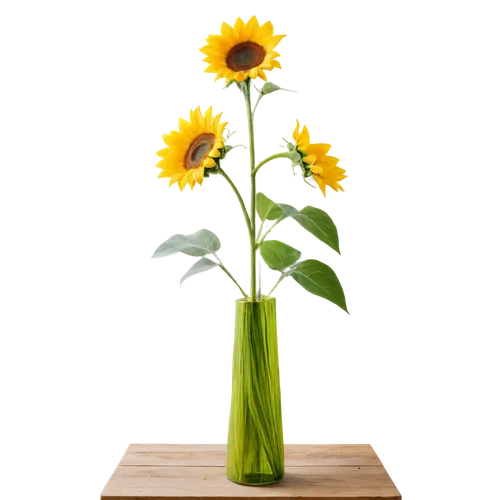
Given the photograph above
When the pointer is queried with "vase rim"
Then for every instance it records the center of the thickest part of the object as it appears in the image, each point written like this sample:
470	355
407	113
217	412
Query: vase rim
263	300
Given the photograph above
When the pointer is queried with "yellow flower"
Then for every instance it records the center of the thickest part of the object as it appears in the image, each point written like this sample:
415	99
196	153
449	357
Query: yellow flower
315	161
243	51
196	147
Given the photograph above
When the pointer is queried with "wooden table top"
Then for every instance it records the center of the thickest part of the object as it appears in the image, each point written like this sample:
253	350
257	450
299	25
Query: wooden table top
182	472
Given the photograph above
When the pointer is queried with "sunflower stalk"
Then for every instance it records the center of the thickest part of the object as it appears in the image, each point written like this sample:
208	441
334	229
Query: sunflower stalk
253	190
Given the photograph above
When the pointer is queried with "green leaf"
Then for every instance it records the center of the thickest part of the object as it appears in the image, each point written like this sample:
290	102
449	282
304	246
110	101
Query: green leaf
196	245
228	85
277	255
320	280
270	87
281	208
318	223
199	266
264	204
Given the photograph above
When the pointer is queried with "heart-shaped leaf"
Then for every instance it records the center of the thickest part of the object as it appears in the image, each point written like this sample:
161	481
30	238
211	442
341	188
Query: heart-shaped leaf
319	279
198	244
200	266
318	223
267	209
270	87
277	255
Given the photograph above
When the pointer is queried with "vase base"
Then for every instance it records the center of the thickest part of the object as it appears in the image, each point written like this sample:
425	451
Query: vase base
256	480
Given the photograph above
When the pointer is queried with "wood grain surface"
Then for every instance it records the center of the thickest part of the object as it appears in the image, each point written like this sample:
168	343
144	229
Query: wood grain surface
182	472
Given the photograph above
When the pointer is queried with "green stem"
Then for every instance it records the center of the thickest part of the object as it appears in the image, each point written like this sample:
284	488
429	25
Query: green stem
257	103
282	277
224	268
259	243
259	279
273	287
253	248
242	203
287	154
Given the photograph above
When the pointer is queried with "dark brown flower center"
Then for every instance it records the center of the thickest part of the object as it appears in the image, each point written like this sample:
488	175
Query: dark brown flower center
245	56
198	151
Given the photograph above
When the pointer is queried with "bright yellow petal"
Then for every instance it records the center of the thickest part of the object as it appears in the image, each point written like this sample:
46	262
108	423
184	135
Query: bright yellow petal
267	30
316	169
321	184
262	75
274	41
226	30
320	150
239	26
209	162
253	72
240	76
310	159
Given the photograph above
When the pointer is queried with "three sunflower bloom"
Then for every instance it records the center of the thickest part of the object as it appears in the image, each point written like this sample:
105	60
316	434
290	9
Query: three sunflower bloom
239	52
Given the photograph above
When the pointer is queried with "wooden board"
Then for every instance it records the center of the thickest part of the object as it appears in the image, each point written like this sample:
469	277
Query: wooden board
182	472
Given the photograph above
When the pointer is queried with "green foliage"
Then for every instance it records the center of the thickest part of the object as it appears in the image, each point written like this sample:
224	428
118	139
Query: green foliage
264	204
318	279
320	224
270	87
198	244
203	265
282	208
228	85
279	254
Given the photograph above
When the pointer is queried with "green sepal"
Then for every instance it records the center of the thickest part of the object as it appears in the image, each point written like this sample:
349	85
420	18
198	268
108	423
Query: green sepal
228	85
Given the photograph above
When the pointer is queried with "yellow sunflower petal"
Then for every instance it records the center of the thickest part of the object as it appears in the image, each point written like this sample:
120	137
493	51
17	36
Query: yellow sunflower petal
320	150
209	162
240	76
320	183
316	169
310	159
253	72
226	30
251	27
267	30
239	26
197	178
262	75
274	41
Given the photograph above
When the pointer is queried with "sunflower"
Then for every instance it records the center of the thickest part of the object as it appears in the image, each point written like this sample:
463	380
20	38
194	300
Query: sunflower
243	51
197	146
315	162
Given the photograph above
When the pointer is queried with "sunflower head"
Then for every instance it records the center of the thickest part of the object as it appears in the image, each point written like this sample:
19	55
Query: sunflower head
194	151
245	50
314	161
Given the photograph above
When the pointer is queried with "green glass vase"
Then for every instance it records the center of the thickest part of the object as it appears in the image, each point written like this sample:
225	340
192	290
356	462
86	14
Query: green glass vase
255	454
